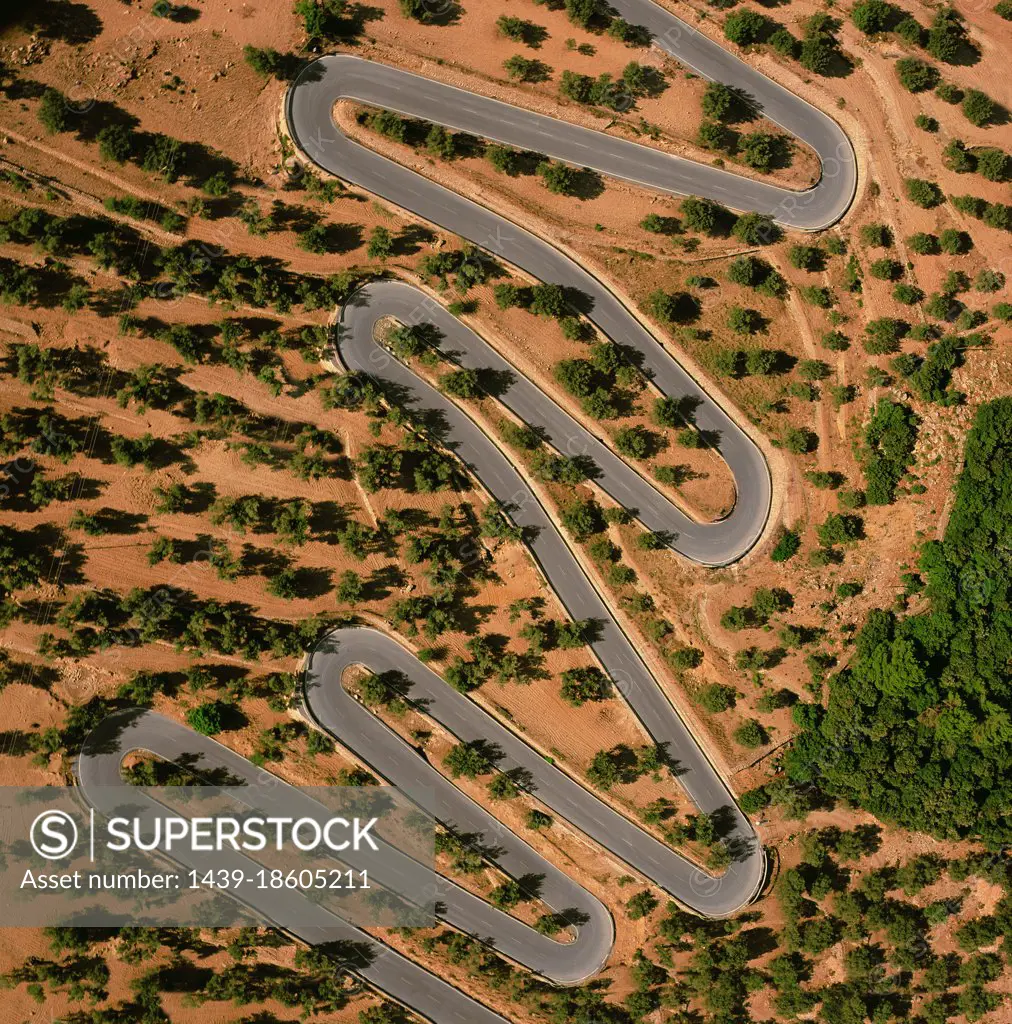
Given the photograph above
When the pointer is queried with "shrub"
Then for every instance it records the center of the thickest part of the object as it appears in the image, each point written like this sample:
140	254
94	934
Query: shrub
799	441
267	61
115	142
716	698
786	547
743	321
381	243
205	718
641	905
889	443
720	102
672	307
813	369
750	734
635	442
958	158
761	150
580	685
883	336
784	43
817	295
925	194
582	518
839	529
729	362
713	135
916	75
886	269
756	229
583	12
954	242
684	658
516	29
978	108
658	225
747	271
998	215
910	30
994	164
819	48
948	93
806	257
946	37
746	27
755	800
876	236
989	281
923	244
558	177
871	16
703	215
504	159
53	111
908	294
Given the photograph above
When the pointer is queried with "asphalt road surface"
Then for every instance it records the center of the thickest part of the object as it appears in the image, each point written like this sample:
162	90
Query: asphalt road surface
309	105
321	84
357	728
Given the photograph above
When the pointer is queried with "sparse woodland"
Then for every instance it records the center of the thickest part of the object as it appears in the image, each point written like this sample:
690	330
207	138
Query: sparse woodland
192	496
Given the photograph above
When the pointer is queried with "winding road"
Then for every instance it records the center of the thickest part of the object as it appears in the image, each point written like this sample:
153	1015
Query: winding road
309	105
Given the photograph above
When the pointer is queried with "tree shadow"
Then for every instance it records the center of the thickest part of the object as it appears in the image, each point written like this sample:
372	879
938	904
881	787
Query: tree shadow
586	184
181	14
327	518
382	582
115	520
353	21
232	718
343	238
411	239
262	561
443	13
74	23
495	383
966	55
759	941
312	582
579	300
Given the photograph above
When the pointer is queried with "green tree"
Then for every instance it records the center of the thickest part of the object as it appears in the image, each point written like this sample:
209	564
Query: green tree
206	718
115	142
350	587
584	12
580	685
947	36
381	243
978	108
559	177
750	734
756	229
746	26
925	194
54	111
872	16
916	75
641	905
468	759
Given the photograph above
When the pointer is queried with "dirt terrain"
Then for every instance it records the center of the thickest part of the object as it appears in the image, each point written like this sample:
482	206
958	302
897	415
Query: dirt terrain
189	80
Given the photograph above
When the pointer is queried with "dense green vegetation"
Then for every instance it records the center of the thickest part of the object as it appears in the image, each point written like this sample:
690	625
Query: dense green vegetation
916	729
